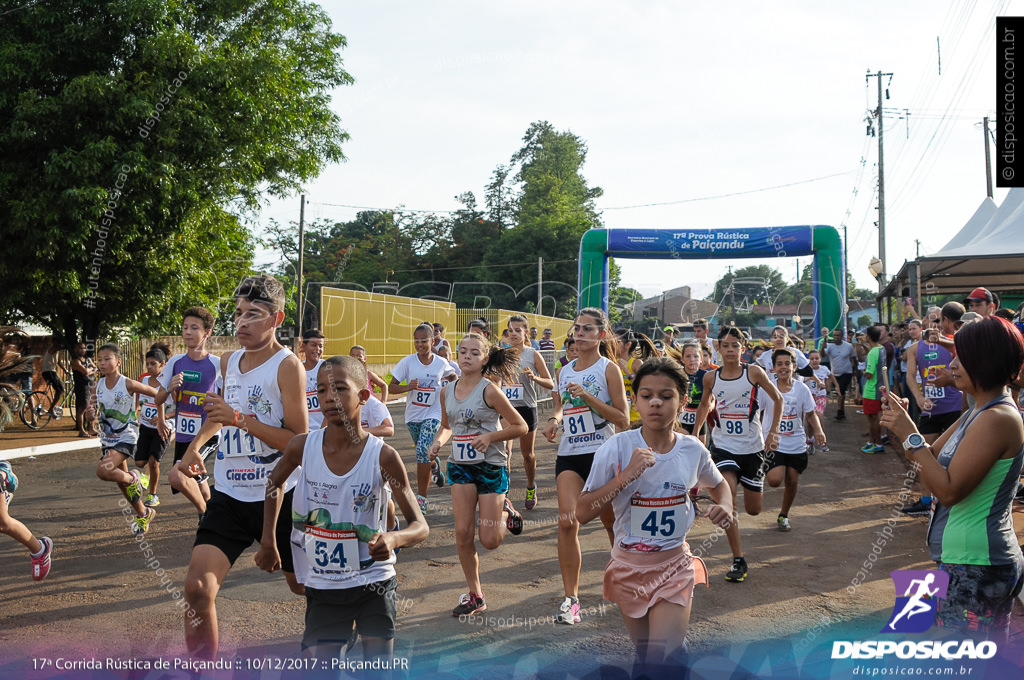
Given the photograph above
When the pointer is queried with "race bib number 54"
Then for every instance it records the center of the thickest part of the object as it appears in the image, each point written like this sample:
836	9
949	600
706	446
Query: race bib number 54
332	551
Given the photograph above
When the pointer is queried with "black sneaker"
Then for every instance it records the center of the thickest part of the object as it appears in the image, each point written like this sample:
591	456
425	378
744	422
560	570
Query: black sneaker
917	509
885	440
470	603
435	473
738	572
840	416
515	520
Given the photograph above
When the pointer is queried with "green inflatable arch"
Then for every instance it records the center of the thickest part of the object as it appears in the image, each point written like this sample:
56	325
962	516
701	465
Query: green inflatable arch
821	241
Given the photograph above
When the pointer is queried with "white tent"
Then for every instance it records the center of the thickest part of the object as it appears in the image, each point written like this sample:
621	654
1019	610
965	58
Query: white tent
975	226
988	251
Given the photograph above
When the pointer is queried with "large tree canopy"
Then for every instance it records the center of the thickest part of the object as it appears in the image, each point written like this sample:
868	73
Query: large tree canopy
136	135
540	206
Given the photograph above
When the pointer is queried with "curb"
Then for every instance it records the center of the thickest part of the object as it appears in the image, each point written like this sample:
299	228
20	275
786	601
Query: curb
45	449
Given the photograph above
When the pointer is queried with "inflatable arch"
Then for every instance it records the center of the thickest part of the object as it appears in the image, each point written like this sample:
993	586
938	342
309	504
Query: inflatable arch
597	245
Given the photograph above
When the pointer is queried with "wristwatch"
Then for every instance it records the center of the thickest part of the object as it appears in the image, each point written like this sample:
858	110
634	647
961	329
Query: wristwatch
914	441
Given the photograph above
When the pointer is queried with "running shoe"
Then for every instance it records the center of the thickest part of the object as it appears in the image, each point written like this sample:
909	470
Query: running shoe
738	572
872	448
470	603
824	448
515	520
435	473
885	439
41	564
531	498
144	480
918	509
141	524
134	490
569	612
8	480
783	523
152	500
422	502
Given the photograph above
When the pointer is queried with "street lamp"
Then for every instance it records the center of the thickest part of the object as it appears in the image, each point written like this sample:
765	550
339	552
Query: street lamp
876	268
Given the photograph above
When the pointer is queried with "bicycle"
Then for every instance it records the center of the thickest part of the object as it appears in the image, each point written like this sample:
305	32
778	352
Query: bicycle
32	406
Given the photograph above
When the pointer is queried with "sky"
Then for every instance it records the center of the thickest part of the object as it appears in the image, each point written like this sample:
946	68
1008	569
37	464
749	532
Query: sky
710	109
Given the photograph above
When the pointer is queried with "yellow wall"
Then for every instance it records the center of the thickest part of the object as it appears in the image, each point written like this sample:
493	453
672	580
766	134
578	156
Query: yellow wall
383	324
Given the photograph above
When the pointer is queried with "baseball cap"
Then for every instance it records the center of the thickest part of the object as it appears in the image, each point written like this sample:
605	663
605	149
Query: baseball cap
979	294
670	329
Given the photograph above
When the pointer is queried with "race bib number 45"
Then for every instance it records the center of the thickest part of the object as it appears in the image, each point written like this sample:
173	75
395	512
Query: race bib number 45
657	517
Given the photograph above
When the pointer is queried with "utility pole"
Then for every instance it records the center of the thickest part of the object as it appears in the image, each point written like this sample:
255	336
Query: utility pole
302	247
540	282
917	249
881	179
732	297
988	159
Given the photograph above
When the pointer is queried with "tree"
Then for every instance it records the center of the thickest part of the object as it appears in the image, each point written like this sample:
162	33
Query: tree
553	209
863	321
136	136
758	284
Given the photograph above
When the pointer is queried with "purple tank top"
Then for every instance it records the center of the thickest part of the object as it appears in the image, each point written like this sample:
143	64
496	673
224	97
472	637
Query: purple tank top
200	378
944	399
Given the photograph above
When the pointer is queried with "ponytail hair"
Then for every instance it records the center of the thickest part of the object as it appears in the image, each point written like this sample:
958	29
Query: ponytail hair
502	362
160	351
637	344
607	346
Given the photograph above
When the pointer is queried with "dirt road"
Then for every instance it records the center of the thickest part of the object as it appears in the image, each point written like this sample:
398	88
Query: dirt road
105	599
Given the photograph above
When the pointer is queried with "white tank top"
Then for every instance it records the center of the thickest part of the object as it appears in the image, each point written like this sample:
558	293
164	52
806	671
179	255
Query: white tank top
334	517
583	430
738	430
243	461
148	408
523	392
469	418
116	410
316	417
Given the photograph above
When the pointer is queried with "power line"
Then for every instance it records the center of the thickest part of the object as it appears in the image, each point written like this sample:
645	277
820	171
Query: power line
735	193
489	266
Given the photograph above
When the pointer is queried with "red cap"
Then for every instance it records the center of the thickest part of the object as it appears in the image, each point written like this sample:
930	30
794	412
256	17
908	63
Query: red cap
981	294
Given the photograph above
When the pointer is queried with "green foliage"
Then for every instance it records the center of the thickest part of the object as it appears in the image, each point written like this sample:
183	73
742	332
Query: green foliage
863	321
135	135
540	206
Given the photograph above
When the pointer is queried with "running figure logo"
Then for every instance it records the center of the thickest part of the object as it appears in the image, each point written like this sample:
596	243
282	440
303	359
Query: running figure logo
914	612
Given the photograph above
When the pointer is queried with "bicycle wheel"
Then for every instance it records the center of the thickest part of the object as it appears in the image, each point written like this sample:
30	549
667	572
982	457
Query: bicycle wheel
36	412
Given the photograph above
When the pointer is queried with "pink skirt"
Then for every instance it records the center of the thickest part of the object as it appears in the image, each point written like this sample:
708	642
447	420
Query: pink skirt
636	581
